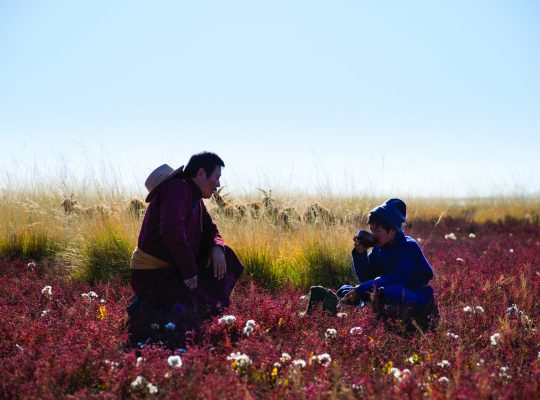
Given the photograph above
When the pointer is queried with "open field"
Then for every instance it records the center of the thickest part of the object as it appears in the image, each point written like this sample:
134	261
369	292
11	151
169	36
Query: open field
57	343
290	238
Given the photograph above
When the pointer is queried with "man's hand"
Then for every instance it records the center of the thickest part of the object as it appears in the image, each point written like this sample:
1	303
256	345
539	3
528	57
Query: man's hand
359	247
350	298
191	282
219	265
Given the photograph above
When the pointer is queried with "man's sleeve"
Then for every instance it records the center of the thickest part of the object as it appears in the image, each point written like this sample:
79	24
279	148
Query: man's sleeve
174	207
211	236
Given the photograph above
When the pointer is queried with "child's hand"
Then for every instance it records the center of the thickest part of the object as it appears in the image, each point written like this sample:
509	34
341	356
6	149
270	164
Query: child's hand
359	247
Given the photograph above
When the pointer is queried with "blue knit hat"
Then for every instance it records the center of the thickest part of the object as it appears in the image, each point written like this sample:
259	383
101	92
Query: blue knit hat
393	211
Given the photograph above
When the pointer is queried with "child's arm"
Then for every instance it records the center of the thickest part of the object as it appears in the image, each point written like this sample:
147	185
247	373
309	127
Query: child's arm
363	265
412	269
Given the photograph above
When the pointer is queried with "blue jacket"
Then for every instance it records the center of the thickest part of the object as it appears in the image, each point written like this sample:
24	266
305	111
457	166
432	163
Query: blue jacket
400	263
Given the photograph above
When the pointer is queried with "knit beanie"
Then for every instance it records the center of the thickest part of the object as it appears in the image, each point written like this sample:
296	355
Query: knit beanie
393	211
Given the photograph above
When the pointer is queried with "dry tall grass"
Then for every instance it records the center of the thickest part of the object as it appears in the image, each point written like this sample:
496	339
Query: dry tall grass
33	224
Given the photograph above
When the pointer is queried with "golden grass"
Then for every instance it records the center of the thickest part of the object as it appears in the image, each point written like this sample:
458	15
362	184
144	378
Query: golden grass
33	225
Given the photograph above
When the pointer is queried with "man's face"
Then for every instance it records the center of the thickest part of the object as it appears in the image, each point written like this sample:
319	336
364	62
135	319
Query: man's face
383	237
208	184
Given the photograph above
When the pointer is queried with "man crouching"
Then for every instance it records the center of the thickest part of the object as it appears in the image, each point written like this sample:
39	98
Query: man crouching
181	271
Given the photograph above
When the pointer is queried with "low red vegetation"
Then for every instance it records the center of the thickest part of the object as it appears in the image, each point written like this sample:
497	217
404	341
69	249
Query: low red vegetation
63	344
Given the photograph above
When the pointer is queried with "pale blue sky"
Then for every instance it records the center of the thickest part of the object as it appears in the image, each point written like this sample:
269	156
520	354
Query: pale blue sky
392	97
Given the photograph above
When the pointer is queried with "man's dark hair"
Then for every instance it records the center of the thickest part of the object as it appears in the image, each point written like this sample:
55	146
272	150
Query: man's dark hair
207	160
378	221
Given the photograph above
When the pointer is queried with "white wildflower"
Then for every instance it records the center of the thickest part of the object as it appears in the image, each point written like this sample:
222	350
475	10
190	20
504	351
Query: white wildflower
277	365
90	295
398	374
415	358
299	363
356	330
513	309
494	339
330	333
503	373
138	381
341	314
19	347
538	354
473	310
450	236
443	363
452	335
358	387
31	265
323	359
444	379
511	250
525	320
47	291
167	375
459	259
472	236
152	389
285	357
419	240
112	364
170	326
480	362
139	361
46	312
174	361
241	359
102	301
227	319
250	326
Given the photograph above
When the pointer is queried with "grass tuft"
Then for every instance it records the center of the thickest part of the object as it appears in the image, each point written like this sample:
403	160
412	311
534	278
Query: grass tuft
29	244
104	256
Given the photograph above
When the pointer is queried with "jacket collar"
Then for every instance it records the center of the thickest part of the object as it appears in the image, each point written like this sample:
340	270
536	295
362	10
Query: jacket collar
194	189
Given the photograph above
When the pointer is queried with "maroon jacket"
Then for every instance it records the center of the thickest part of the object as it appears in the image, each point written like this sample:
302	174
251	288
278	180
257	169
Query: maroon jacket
177	227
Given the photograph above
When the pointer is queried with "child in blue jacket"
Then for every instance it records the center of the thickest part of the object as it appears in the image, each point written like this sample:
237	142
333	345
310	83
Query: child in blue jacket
395	268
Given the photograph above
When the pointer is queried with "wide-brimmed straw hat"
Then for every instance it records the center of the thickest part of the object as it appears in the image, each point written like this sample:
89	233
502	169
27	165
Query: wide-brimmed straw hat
159	176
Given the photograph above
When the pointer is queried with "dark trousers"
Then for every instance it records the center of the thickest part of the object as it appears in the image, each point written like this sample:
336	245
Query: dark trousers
165	287
164	308
396	295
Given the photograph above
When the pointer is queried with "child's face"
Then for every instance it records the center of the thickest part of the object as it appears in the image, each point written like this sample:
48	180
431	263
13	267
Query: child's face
382	235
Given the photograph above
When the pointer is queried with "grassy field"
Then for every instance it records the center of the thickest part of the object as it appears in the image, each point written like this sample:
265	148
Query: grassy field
95	235
61	341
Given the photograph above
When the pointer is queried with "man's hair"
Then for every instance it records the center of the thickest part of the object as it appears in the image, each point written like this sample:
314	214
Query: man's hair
378	221
207	160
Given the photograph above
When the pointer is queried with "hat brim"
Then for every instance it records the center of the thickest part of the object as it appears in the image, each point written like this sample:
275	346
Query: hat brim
176	172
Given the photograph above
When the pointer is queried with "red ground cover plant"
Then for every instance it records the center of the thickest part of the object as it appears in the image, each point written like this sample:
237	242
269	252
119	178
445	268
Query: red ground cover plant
57	343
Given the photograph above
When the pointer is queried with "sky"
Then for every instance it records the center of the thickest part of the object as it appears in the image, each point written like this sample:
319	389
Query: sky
404	98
